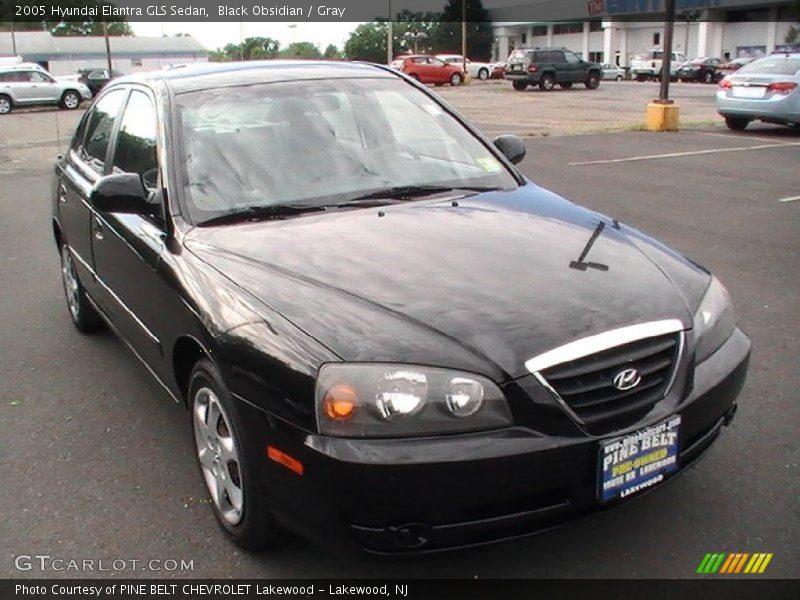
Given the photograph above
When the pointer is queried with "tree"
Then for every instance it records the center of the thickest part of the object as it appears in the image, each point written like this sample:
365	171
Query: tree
793	36
305	50
367	42
252	48
68	28
480	37
332	53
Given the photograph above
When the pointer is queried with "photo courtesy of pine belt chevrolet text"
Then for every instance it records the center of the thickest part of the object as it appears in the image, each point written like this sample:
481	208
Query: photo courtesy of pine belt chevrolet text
385	336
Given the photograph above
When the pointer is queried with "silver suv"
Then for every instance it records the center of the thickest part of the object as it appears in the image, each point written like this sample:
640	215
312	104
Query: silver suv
28	84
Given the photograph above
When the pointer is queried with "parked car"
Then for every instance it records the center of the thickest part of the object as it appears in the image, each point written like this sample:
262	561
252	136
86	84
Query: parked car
96	79
734	65
548	67
361	342
766	90
649	65
498	70
701	69
429	69
477	70
613	72
28	84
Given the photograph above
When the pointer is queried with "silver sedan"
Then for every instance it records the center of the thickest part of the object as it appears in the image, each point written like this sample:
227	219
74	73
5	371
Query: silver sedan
613	72
765	90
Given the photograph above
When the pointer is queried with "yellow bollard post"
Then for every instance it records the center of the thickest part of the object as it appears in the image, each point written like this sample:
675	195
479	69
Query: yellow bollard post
662	116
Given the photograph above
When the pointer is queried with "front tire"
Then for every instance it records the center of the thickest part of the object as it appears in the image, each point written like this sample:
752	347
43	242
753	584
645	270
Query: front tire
5	104
456	79
737	123
483	74
234	487
70	100
709	77
619	78
593	82
84	316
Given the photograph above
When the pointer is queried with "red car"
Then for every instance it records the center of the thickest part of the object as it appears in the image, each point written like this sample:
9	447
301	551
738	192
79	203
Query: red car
429	69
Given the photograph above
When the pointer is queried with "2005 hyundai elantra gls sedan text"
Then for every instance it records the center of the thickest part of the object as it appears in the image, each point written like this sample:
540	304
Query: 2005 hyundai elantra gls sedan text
385	336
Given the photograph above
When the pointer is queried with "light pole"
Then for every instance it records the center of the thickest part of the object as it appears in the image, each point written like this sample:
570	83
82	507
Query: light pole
389	37
464	36
666	62
108	47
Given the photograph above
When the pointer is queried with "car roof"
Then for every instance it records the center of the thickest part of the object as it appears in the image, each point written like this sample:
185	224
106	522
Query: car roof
201	76
22	67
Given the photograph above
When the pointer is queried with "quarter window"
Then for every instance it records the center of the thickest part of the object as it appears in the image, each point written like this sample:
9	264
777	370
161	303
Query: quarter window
99	128
136	142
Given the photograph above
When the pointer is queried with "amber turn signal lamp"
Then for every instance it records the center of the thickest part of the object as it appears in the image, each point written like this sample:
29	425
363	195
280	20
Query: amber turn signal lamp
340	402
284	459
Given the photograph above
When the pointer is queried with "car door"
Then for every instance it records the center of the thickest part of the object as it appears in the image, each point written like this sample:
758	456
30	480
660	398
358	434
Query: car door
577	69
127	247
439	71
76	175
45	87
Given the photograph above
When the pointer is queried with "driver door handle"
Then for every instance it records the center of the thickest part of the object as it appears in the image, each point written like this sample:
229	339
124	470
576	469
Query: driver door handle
97	229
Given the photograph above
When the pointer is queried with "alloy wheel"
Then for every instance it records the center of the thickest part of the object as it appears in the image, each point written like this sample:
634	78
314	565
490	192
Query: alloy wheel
71	100
218	455
71	285
5	105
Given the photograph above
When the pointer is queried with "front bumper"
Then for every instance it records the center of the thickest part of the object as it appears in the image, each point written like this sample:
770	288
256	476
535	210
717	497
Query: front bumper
418	495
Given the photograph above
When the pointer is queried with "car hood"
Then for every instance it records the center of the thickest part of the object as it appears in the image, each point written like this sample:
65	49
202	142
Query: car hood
483	284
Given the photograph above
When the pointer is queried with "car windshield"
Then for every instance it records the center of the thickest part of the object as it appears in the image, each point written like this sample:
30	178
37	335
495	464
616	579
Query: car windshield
322	143
773	65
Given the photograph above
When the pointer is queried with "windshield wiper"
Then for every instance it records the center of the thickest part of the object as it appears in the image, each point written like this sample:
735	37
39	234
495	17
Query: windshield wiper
407	192
273	211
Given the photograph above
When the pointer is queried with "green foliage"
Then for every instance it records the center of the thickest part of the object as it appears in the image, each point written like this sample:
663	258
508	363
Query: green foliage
793	36
433	33
75	26
252	48
332	53
304	50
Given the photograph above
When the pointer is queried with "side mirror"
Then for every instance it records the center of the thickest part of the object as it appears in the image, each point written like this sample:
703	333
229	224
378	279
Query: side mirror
512	147
122	193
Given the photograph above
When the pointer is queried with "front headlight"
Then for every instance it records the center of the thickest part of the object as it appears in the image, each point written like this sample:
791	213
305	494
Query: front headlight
387	400
714	322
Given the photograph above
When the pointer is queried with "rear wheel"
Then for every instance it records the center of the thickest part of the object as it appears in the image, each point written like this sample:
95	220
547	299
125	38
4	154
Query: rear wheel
737	123
70	100
456	79
593	82
483	74
520	86
234	486
83	314
5	104
548	82
619	78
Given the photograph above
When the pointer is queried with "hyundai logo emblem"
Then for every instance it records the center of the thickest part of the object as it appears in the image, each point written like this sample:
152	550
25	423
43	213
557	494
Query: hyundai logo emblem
627	379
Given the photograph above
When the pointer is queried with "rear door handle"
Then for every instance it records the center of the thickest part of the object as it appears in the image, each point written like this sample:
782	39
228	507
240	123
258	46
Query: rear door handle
97	228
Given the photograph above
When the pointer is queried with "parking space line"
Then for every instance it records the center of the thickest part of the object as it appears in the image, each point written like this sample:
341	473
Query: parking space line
741	137
681	154
790	199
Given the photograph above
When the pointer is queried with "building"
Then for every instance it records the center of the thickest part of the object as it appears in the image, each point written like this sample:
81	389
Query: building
62	55
615	31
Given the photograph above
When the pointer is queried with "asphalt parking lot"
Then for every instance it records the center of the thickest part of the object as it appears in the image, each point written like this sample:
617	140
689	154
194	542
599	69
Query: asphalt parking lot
97	462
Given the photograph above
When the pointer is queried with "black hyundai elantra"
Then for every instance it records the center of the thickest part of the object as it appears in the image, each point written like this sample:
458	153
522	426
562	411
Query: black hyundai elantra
385	335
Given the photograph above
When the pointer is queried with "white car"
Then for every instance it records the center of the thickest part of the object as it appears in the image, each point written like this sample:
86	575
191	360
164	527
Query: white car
648	66
613	72
478	70
28	84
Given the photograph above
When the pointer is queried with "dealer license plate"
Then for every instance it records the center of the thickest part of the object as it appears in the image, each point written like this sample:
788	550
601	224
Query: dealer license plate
635	462
740	91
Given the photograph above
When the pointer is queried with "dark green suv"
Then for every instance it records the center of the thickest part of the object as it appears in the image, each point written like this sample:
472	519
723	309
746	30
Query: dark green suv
548	67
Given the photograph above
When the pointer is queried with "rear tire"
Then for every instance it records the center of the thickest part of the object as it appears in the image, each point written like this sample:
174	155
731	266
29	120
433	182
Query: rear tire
619	78
70	100
238	502
593	82
520	86
737	123
483	74
547	83
5	104
83	314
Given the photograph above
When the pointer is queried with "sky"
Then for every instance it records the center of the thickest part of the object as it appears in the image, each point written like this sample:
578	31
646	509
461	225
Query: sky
216	35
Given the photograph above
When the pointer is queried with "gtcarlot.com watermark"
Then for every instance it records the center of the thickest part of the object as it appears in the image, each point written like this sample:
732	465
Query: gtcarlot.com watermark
49	563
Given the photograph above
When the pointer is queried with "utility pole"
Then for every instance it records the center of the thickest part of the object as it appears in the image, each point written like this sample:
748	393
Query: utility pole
666	59
13	40
389	37
464	36
108	46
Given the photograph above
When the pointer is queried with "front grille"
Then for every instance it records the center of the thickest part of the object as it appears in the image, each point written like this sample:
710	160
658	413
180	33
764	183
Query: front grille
586	384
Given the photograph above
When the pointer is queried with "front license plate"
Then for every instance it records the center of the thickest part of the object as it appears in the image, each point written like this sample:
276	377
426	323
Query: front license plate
748	92
635	462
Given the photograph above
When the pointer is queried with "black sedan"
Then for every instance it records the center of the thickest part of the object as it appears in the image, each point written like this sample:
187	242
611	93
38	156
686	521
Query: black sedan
703	70
385	336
